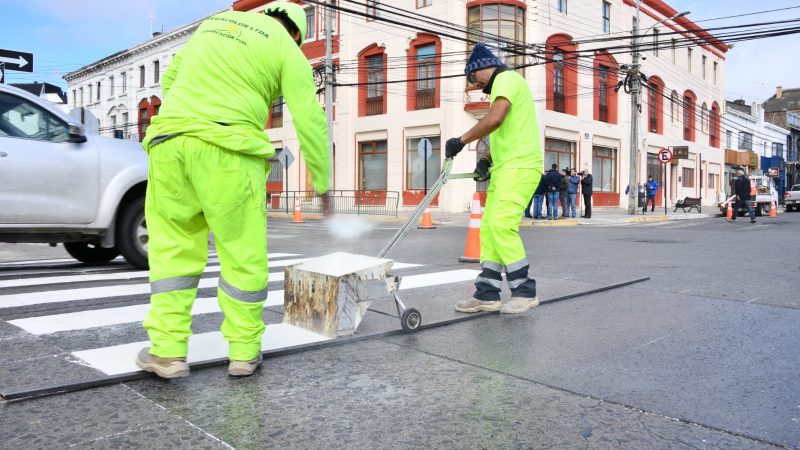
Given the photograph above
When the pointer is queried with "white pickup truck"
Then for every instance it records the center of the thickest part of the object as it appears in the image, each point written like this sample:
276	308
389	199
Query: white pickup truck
61	185
792	198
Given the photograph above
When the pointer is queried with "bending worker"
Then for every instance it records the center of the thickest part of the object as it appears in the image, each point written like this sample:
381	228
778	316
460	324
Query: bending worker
208	167
516	168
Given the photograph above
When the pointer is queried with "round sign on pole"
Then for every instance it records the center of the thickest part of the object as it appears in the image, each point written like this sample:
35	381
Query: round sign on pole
664	156
425	148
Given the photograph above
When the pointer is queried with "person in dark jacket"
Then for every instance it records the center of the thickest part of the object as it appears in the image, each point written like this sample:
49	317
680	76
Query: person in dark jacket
552	184
562	192
572	193
536	201
586	190
651	188
742	191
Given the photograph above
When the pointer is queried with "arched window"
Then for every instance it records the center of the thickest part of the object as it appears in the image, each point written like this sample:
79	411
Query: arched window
689	115
655	105
675	109
561	75
144	117
505	20
424	62
372	81
605	78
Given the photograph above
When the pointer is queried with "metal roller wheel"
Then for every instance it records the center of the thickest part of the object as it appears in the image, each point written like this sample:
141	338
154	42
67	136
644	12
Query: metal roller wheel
410	320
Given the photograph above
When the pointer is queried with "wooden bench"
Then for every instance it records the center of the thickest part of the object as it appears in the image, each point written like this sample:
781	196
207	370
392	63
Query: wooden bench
688	202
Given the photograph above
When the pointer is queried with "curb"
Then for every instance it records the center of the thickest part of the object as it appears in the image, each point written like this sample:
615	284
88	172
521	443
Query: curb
647	219
549	223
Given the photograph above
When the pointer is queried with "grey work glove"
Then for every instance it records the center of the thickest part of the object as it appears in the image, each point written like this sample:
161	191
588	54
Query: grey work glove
452	147
482	170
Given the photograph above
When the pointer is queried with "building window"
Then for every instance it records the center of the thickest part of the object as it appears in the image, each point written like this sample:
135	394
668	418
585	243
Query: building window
561	75
425	95
688	116
704	119
372	165
110	87
124	82
98	91
558	152
141	76
90	94
674	51
675	110
562	6
714	74
605	77
728	139
310	23
604	169
558	82
655	168
415	165
703	65
375	85
74	98
777	149
689	59
745	140
602	94
505	21
144	121
655	41
372	9
276	113
156	71
688	177
81	91
714	130
655	106
607	17
124	123
424	3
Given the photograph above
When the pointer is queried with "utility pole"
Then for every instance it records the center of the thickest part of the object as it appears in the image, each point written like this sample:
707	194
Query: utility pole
329	79
633	186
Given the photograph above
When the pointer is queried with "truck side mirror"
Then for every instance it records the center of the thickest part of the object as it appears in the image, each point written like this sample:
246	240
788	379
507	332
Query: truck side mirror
77	133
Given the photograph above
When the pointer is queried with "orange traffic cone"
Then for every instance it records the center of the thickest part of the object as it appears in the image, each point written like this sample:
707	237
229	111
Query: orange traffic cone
426	223
472	251
298	214
729	212
773	209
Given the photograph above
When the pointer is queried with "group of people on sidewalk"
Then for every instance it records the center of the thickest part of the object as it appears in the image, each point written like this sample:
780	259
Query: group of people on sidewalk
555	186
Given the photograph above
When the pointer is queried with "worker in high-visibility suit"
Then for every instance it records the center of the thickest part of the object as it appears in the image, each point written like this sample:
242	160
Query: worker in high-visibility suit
516	162
208	167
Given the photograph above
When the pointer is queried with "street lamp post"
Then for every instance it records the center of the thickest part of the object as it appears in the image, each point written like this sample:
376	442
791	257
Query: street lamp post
633	173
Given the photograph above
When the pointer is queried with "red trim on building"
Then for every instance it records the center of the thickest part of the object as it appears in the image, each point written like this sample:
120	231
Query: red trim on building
605	199
657	84
476	106
422	39
603	58
370	50
714	130
562	43
689	104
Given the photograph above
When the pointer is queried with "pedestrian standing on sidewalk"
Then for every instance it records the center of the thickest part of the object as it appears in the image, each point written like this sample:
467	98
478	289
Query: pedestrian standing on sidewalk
208	166
516	159
742	191
552	183
651	187
563	189
572	192
586	190
536	202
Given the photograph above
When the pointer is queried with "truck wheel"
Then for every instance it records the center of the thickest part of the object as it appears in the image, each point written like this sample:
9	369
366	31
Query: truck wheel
132	235
759	211
90	252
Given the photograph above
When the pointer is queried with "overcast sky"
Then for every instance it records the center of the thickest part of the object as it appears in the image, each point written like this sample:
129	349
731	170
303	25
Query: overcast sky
64	35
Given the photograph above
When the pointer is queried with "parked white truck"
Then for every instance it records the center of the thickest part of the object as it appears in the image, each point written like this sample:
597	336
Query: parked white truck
61	185
791	198
763	195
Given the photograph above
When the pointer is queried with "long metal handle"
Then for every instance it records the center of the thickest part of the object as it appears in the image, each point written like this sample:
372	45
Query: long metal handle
437	186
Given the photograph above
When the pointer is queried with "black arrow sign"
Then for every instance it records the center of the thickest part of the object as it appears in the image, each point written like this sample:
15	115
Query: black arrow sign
14	60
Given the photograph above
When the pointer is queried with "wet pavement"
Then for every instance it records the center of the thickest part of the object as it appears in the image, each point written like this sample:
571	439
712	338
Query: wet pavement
703	355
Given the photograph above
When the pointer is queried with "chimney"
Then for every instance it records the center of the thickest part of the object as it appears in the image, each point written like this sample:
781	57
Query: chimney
156	33
779	92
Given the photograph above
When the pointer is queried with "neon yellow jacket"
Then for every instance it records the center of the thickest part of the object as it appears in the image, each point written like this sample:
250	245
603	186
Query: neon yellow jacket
220	86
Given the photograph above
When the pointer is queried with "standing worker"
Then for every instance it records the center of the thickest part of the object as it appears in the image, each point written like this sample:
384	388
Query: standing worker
208	166
586	190
516	161
651	188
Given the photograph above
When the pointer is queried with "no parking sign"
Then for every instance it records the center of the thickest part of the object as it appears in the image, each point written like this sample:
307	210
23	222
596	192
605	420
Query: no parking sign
665	156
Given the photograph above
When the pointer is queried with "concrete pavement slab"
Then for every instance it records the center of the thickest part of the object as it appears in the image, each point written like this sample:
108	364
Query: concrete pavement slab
723	364
375	394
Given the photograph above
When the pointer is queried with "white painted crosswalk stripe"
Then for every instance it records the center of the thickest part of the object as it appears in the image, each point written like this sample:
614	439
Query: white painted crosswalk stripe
130	314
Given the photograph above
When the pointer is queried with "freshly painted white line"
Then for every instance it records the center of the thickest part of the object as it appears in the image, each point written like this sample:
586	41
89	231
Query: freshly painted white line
48	261
127	275
120	359
130	314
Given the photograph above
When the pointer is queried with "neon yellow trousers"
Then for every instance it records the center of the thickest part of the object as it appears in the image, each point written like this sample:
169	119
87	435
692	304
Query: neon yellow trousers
502	250
194	187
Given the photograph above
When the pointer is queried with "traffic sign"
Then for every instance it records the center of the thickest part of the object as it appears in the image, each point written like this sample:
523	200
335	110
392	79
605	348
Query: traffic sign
14	60
424	148
286	157
664	156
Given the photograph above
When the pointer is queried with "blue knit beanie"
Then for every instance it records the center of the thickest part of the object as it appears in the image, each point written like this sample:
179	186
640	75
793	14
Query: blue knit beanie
481	58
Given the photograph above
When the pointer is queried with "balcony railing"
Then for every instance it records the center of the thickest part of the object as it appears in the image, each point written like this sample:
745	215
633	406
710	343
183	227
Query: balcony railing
687	133
653	124
558	101
603	113
425	98
374	106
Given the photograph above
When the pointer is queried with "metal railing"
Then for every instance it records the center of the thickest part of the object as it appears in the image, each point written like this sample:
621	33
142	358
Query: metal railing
374	106
425	98
603	113
558	101
381	203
